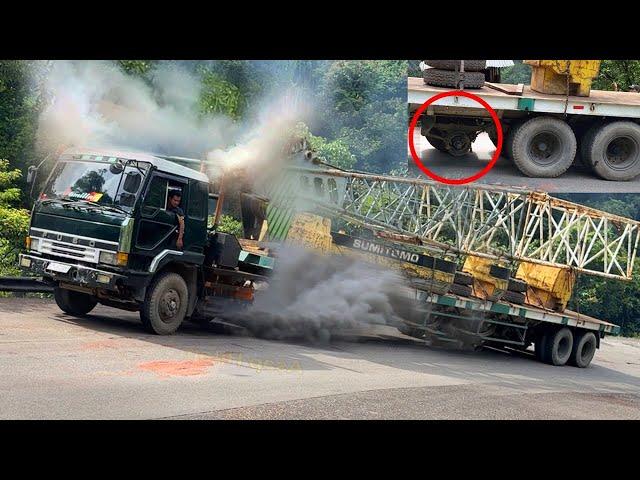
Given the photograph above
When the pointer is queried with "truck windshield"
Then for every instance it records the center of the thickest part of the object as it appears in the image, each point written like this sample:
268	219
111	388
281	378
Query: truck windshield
95	182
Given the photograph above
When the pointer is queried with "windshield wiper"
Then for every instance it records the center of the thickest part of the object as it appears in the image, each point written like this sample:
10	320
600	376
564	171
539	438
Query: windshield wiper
96	204
47	201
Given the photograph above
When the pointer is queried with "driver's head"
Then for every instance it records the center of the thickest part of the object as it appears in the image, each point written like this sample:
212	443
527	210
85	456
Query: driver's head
174	198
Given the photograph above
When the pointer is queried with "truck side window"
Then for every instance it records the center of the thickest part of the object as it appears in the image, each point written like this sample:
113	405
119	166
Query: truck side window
156	195
198	194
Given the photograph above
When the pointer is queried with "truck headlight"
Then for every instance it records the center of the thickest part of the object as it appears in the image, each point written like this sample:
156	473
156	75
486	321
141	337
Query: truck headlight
108	258
112	258
35	244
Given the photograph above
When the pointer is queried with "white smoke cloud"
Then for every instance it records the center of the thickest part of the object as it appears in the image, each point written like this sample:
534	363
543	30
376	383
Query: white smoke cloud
93	103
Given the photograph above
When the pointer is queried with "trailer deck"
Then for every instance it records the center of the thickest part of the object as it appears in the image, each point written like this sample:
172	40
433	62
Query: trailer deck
599	103
528	312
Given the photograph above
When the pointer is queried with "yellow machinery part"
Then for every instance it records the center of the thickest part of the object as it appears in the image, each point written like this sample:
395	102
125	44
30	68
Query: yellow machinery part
548	287
314	232
311	231
550	76
485	285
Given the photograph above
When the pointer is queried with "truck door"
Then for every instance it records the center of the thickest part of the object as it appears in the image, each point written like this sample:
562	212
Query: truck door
157	228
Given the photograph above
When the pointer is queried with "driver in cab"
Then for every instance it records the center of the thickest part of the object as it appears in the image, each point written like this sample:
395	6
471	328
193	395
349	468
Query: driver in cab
175	197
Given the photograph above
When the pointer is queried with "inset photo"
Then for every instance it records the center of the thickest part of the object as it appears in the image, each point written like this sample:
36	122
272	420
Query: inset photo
567	125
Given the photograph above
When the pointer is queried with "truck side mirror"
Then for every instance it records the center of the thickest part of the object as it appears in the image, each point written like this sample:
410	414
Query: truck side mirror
32	173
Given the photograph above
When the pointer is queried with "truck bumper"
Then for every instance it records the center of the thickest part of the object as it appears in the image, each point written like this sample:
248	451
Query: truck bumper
67	272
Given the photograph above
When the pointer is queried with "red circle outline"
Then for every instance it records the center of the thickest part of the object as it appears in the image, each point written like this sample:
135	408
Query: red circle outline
459	181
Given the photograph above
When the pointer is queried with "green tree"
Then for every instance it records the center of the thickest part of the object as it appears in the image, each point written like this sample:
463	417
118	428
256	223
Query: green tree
518	73
220	96
19	110
617	75
14	221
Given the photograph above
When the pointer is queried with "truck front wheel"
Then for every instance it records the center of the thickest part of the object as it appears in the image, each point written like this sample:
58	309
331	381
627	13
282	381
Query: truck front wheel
165	305
584	348
74	303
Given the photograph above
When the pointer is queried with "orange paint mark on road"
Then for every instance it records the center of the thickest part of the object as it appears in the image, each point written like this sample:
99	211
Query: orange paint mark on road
184	368
99	345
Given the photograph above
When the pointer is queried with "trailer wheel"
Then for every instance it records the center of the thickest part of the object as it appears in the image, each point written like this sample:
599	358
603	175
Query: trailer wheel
165	306
557	346
544	147
584	348
469	65
507	146
437	143
613	151
411	331
446	78
74	303
539	345
585	140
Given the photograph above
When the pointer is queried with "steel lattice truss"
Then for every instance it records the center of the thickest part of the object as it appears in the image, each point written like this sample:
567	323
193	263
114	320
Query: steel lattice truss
500	223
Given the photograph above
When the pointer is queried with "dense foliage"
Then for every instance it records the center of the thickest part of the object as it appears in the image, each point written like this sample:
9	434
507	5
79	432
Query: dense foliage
14	221
613	300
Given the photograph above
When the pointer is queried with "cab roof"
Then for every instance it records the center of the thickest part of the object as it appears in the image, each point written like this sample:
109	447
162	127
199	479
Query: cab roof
160	163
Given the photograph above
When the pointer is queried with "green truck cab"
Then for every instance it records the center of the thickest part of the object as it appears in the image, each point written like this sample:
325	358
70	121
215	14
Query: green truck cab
101	232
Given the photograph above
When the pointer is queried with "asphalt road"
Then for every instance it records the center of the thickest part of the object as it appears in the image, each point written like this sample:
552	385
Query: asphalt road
53	366
578	179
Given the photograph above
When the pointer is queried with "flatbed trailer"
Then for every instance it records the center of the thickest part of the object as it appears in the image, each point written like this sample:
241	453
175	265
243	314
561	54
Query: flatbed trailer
471	322
542	133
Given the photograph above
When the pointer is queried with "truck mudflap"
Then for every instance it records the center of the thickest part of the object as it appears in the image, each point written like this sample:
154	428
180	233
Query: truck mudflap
70	273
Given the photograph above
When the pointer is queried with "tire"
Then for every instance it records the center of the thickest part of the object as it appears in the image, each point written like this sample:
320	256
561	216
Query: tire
165	305
436	143
411	331
74	303
445	78
613	151
469	65
584	139
507	146
584	349
558	346
462	290
543	147
516	285
539	346
463	278
514	297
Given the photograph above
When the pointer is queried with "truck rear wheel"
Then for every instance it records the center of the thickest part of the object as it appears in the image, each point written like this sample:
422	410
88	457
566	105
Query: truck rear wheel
584	349
165	305
544	147
557	346
74	303
613	151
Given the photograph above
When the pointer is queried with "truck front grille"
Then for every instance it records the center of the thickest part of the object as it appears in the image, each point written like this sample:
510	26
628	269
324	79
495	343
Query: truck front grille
67	250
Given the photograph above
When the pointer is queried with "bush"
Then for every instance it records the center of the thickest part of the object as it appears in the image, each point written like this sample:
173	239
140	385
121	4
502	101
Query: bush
14	222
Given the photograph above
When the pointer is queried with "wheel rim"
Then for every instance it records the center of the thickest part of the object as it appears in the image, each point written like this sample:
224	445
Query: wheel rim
544	148
169	305
459	144
622	153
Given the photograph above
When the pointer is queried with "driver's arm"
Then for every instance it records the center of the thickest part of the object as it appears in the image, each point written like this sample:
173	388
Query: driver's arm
179	242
